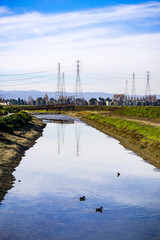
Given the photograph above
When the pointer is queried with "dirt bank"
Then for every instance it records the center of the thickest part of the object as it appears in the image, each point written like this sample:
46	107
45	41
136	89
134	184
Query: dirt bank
13	147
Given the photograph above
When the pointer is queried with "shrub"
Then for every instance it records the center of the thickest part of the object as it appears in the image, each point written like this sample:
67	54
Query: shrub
14	121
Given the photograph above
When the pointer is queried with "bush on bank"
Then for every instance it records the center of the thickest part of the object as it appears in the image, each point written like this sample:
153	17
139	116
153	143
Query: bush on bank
14	121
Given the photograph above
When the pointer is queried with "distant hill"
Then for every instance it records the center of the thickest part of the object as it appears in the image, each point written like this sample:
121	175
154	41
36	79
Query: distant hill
35	94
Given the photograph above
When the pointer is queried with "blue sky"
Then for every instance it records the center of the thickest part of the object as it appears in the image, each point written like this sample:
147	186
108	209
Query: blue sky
51	6
112	39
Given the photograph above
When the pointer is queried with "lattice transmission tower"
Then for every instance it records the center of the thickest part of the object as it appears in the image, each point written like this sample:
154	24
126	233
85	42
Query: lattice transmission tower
59	84
133	88
148	88
78	86
63	88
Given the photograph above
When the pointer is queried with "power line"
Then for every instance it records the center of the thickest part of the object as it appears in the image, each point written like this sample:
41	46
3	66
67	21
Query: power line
30	78
28	73
19	84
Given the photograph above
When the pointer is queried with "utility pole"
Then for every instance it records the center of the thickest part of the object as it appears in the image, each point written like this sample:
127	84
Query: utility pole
148	89
78	86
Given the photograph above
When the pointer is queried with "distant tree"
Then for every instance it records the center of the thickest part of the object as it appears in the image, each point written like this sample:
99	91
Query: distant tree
92	101
38	101
33	102
13	101
25	102
19	101
108	99
51	101
43	101
102	100
158	102
29	100
119	98
46	98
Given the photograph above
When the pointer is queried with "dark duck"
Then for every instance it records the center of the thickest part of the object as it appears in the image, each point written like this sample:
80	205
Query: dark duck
82	198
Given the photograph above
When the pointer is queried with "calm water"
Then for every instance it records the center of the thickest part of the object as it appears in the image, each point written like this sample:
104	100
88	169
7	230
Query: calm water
70	160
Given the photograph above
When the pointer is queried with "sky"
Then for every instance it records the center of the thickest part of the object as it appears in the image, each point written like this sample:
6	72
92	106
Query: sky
112	40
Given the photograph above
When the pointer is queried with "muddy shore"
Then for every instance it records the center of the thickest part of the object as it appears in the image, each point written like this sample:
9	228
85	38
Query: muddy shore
12	148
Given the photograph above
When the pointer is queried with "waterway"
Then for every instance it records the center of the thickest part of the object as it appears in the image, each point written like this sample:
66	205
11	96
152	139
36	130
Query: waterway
72	160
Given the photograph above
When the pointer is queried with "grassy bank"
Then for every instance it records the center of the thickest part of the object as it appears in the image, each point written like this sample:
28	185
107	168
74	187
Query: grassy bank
146	112
18	132
140	137
137	112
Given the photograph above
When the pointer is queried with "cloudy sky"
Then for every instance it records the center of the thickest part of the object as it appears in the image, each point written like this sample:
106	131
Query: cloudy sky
112	39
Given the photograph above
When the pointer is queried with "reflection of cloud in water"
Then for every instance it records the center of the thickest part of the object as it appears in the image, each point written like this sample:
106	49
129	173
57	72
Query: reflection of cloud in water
48	177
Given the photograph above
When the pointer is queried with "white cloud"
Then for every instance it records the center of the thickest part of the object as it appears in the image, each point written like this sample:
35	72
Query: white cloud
4	10
107	38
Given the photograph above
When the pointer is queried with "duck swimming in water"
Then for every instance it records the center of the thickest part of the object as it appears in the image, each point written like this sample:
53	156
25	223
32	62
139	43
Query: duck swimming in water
99	209
82	198
118	174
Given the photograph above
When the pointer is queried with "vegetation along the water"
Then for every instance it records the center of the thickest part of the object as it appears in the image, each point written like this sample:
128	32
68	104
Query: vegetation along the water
137	128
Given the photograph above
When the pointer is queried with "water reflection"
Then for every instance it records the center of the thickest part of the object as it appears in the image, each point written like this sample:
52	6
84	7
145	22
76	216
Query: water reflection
61	134
78	129
58	136
46	203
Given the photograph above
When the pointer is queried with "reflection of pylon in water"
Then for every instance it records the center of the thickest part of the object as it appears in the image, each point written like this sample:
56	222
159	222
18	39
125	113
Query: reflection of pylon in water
78	135
63	131
60	136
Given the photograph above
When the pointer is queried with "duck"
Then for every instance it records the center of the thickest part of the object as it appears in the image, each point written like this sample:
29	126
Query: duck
118	174
82	198
99	209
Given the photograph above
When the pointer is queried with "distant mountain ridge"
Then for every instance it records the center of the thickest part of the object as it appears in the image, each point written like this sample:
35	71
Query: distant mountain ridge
35	94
